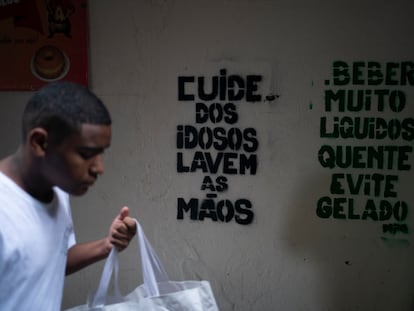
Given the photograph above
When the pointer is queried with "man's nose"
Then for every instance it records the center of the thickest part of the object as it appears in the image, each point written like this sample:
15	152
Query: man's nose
97	166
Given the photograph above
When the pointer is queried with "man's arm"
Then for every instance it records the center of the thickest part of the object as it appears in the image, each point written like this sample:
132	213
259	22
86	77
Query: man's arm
82	255
122	230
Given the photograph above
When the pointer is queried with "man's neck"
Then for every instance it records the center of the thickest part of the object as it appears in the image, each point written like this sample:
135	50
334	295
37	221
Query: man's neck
26	176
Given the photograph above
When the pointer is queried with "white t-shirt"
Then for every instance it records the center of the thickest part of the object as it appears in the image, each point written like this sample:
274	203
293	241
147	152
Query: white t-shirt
34	239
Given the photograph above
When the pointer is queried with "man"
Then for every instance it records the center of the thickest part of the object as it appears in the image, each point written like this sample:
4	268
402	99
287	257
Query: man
66	130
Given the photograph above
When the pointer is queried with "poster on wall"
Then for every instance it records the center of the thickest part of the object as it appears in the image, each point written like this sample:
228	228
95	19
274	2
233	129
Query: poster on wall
42	41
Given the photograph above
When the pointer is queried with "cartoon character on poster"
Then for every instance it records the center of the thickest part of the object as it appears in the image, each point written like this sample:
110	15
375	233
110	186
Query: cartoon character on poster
58	16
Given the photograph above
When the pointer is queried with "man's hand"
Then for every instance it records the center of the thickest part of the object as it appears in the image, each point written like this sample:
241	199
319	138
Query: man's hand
121	232
122	229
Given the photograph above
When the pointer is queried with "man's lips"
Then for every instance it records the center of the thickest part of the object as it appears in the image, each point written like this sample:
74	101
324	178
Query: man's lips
89	183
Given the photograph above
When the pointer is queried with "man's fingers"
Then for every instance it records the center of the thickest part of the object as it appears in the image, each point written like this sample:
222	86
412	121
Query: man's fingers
123	213
122	229
130	224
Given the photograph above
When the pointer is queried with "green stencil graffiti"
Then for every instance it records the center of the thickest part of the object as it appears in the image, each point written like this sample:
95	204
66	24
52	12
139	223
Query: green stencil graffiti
355	192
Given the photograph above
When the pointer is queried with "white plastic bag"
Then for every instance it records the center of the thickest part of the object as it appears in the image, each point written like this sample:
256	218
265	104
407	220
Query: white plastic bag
156	293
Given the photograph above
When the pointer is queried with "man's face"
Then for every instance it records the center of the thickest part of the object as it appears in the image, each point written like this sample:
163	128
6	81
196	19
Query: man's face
75	163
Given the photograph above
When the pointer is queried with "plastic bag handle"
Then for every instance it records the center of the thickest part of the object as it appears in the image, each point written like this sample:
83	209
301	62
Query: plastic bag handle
111	265
152	271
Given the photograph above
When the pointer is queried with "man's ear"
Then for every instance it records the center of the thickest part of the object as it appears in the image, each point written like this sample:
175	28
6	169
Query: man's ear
37	139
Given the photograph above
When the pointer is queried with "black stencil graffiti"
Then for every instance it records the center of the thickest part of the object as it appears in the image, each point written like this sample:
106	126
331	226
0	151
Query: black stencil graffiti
211	147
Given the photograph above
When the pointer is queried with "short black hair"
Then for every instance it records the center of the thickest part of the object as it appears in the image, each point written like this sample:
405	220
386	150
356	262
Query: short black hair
62	107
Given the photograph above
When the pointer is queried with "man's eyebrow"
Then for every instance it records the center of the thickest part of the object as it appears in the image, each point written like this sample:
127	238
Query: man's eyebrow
92	149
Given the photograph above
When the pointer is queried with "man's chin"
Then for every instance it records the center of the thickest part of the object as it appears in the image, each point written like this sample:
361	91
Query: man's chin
79	191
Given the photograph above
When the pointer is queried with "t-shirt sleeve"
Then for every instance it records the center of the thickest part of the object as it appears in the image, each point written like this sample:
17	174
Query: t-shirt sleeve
70	231
72	237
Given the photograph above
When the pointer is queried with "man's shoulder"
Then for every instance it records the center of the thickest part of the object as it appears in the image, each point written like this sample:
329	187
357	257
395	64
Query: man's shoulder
6	183
6	164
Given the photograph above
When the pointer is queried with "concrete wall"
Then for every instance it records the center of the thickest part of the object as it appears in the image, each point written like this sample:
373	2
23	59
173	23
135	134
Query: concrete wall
293	249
